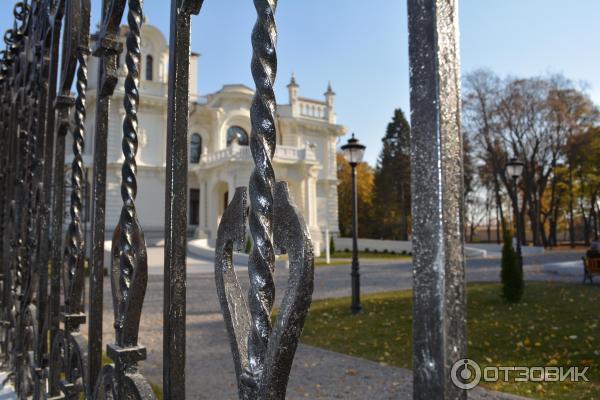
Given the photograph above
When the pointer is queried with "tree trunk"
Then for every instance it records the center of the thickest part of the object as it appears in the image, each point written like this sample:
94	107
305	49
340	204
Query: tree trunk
403	214
571	214
499	211
595	219
498	206
553	227
489	222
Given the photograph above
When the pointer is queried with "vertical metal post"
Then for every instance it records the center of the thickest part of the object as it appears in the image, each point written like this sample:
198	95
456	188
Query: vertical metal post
355	274
96	294
518	224
107	48
437	198
176	200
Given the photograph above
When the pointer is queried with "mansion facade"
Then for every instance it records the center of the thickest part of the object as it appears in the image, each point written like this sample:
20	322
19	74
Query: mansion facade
219	155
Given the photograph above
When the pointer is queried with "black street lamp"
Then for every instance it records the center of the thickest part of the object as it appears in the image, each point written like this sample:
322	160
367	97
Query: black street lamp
353	153
514	169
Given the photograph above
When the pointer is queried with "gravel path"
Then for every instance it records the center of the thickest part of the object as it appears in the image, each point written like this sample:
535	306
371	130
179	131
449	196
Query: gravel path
317	373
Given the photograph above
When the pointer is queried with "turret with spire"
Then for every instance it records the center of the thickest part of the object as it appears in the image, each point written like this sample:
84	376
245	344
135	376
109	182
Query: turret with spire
293	94
329	100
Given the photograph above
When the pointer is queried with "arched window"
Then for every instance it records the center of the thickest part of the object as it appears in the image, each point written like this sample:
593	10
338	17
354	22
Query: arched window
149	66
237	134
195	148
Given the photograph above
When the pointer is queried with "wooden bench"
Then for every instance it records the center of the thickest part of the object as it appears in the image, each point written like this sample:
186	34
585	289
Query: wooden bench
591	267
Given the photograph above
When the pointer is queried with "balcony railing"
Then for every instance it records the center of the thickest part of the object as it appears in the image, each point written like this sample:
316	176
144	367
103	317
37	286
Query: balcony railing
312	109
235	152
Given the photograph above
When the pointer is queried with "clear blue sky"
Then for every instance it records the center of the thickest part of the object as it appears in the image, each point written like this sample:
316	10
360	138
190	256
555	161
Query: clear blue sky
362	48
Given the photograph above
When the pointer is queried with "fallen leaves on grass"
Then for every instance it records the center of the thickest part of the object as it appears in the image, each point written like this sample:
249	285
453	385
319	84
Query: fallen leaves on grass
555	325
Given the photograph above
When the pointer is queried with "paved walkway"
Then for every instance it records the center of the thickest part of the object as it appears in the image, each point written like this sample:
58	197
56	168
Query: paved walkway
317	373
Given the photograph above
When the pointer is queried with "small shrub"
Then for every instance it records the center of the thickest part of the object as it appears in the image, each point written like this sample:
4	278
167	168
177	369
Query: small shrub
385	251
367	250
375	251
511	274
248	248
393	252
331	245
403	252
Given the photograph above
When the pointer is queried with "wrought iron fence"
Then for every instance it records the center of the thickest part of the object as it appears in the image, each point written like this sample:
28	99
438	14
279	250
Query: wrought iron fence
43	281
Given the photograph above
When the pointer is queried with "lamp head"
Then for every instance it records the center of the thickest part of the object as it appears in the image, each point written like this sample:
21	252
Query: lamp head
514	168
354	151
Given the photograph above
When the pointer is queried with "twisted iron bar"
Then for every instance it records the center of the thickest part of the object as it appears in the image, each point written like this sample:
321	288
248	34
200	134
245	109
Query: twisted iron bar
130	102
128	256
261	264
263	355
75	244
69	350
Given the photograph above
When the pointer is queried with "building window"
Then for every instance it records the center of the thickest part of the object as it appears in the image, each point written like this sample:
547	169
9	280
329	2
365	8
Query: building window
194	206
149	65
195	148
237	134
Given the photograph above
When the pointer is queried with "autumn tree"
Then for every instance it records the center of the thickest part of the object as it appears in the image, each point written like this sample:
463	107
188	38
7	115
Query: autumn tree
532	119
365	180
480	124
584	148
573	113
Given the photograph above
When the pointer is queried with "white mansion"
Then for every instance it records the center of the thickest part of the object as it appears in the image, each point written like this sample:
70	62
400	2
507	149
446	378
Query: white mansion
219	156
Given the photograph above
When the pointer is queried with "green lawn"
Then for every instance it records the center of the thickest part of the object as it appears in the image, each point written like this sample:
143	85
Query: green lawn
343	258
370	254
320	262
556	324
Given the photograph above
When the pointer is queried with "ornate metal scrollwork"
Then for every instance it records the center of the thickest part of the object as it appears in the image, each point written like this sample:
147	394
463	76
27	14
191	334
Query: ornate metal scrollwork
21	142
69	350
263	354
41	342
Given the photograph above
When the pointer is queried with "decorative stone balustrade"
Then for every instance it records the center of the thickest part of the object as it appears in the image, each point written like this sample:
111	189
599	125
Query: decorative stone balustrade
236	152
312	109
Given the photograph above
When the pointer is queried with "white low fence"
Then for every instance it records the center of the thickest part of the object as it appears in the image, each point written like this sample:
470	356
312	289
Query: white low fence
472	250
380	246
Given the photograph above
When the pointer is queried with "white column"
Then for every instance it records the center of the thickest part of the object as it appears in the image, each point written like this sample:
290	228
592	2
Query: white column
204	208
311	207
327	250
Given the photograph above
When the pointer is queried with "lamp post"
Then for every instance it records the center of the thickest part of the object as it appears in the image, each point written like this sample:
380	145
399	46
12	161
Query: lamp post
514	169
353	153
